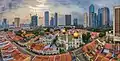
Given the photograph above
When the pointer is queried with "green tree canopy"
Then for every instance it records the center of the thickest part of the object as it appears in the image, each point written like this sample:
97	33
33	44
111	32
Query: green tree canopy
102	34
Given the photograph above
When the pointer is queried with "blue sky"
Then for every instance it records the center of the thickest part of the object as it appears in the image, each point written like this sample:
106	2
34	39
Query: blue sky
74	7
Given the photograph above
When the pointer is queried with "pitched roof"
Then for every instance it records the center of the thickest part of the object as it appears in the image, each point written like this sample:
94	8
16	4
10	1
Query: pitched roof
108	46
61	57
105	59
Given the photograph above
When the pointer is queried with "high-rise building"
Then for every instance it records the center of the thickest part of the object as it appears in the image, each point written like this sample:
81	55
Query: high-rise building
116	23
56	19
91	8
34	21
67	20
46	18
75	22
94	21
92	16
4	23
106	16
86	22
99	17
52	21
17	22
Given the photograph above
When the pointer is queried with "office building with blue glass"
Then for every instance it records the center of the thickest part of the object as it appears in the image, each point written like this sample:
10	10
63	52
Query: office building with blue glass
92	17
52	21
56	19
99	17
5	23
46	15
34	21
75	22
67	20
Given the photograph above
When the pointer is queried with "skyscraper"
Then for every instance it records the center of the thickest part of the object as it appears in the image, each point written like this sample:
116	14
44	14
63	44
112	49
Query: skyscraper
4	23
46	18
86	22
34	21
106	16
116	24
75	22
99	17
92	16
94	21
52	21
91	8
56	19
67	20
17	22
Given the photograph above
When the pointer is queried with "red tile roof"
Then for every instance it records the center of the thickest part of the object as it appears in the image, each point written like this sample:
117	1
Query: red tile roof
113	60
118	56
108	46
61	57
51	58
99	57
105	59
109	55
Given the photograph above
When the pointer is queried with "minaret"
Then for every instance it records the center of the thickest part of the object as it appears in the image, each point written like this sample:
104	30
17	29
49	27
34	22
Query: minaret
1	14
66	41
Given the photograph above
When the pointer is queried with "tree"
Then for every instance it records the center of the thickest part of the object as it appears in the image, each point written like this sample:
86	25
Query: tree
42	33
62	51
54	41
18	33
86	37
102	34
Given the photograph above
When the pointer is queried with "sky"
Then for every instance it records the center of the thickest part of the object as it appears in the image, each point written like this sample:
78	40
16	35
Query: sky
23	8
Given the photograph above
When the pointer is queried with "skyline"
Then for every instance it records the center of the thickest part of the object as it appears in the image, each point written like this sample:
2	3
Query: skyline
76	8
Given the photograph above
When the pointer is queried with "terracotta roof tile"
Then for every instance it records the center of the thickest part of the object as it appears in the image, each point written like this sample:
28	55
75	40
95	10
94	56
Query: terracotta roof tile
105	59
99	57
109	55
118	56
61	57
51	58
57	58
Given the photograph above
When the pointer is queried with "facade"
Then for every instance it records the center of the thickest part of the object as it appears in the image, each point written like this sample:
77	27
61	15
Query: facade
17	22
86	22
94	22
52	21
75	22
67	20
46	18
4	23
25	26
106	16
116	24
92	17
100	10
34	21
56	19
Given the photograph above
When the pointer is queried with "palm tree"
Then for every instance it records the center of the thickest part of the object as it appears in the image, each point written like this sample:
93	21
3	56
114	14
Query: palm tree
54	41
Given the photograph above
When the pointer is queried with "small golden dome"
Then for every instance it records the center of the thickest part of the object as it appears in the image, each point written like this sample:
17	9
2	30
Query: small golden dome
75	34
63	31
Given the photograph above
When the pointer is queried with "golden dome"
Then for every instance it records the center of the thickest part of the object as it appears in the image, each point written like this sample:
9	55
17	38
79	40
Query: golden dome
63	31
75	34
22	30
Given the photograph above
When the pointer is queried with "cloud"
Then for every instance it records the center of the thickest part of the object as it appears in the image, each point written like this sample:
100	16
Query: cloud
78	7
